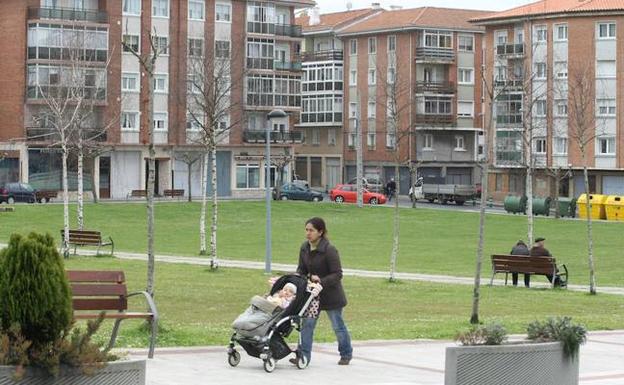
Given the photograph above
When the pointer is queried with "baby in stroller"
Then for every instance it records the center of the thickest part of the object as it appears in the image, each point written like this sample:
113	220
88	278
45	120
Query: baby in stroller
261	329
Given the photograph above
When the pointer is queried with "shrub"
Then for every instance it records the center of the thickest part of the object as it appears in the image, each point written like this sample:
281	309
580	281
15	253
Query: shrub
491	334
559	329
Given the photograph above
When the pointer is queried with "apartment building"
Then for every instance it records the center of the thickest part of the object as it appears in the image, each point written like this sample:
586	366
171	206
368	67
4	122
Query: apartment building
257	38
429	59
320	157
538	57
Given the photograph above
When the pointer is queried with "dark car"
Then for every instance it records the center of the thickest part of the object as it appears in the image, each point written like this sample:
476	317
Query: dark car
297	192
17	192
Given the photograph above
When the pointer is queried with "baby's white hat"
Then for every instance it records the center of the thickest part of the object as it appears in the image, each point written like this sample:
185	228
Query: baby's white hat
291	286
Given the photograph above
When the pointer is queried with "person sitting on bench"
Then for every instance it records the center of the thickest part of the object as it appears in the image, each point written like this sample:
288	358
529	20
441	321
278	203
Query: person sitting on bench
520	249
538	250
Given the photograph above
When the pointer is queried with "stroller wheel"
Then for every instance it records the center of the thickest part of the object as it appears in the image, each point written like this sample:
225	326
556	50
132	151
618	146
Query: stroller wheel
302	362
234	358
269	365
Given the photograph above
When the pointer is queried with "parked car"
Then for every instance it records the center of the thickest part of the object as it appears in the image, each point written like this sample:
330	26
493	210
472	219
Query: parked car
17	192
348	193
371	184
297	192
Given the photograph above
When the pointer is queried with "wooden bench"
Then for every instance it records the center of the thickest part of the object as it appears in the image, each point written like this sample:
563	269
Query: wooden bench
87	238
97	291
137	194
528	265
7	209
174	193
44	196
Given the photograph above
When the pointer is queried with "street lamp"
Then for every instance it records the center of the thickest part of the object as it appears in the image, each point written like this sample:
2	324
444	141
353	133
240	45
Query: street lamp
271	117
358	161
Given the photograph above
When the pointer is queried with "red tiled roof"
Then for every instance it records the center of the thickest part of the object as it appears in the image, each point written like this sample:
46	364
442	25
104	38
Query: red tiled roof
332	20
548	7
431	17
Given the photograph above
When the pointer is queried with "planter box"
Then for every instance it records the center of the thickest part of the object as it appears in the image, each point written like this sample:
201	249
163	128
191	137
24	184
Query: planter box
130	372
512	364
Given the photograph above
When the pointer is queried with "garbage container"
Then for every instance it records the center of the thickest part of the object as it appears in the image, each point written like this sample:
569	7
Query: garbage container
515	204
541	206
567	207
614	207
597	206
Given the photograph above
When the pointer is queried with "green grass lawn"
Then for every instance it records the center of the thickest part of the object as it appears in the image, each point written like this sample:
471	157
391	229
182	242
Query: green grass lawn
432	241
197	306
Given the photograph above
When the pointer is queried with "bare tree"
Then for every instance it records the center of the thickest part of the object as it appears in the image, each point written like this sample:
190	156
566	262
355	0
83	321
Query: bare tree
584	127
209	87
281	162
147	62
189	158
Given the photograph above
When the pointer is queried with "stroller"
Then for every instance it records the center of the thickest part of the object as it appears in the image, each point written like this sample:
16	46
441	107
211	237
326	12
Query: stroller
266	341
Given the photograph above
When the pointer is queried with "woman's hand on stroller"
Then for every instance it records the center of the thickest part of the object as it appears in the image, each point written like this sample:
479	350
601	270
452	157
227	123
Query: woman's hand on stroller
314	288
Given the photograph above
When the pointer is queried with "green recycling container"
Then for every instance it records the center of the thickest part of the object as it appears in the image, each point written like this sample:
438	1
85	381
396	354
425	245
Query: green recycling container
541	206
567	207
515	204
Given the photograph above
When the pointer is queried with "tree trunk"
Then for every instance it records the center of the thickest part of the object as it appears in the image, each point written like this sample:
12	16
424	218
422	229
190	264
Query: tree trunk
80	185
202	216
529	191
213	226
65	203
557	183
96	189
474	318
395	233
190	170
150	186
590	238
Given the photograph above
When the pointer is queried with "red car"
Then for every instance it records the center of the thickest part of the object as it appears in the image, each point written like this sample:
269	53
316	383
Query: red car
348	193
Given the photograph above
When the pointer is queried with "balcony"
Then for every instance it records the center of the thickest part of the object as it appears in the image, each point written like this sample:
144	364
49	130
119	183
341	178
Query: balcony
290	30
38	134
321	117
436	120
250	136
511	85
435	55
512	120
435	87
510	50
332	54
92	16
97	94
294	66
508	157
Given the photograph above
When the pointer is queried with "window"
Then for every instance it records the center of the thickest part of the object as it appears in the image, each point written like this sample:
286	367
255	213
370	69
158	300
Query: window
129	121
49	3
131	43
247	176
331	136
162	44
372	77
465	109
353	78
540	108
196	9
606	30
79	4
160	121
353	110
437	105
372	45
223	13
391	75
501	37
131	7
194	122
605	69
353	47
606	107
540	70
561	32
541	33
130	82
606	146
438	39
391	138
372	110
316	136
539	145
428	142
561	146
466	43
460	144
391	43
196	47
561	69
160	83
562	108
465	76
371	139
222	49
160	8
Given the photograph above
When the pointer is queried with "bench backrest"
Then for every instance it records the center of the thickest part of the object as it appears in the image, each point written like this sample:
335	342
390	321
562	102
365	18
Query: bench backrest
138	193
98	290
83	236
174	192
523	264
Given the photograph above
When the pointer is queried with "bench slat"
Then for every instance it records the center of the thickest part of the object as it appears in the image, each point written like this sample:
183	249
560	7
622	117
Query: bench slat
86	290
95	276
119	303
123	315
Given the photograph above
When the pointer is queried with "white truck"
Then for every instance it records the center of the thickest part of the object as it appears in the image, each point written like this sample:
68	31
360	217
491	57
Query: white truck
443	193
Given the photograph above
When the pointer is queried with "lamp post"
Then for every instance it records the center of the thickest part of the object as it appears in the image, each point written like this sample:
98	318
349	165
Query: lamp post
358	161
275	114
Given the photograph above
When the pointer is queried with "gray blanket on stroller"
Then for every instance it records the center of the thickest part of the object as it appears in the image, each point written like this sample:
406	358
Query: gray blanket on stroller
259	312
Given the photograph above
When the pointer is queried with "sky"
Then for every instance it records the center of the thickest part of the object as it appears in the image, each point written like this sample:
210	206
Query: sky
328	6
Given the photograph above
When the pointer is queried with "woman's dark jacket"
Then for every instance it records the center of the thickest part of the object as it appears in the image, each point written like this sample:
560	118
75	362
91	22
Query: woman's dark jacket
324	262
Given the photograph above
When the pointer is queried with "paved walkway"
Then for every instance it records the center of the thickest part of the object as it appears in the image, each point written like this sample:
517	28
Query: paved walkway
418	362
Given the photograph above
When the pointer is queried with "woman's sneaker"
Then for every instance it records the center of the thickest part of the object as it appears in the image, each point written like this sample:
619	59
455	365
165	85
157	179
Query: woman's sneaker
344	361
